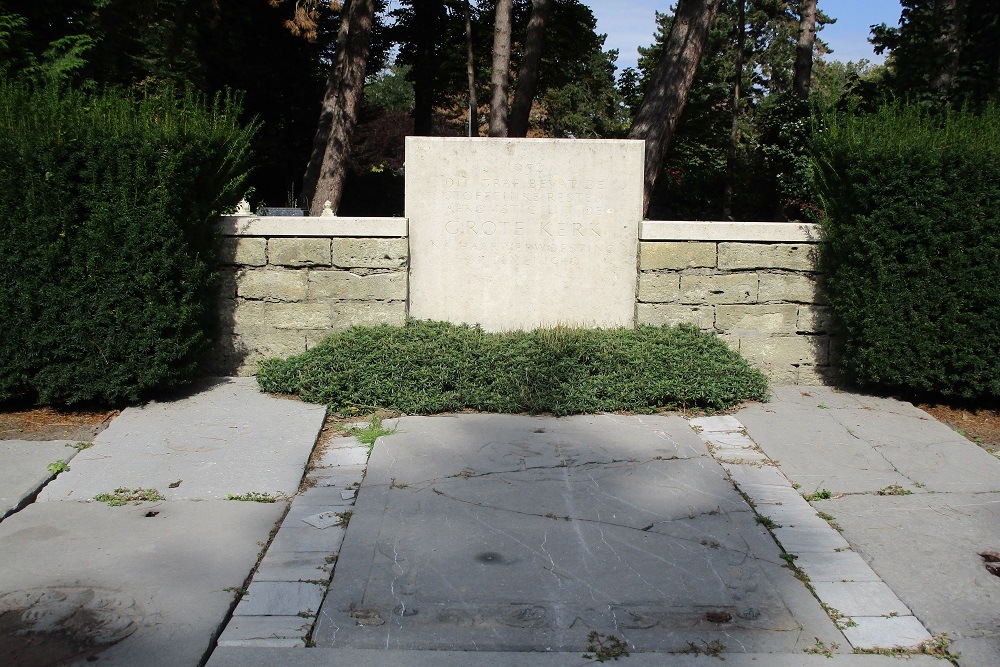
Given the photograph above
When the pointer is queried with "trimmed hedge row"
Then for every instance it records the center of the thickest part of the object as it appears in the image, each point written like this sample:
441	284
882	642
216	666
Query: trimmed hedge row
106	243
912	258
428	367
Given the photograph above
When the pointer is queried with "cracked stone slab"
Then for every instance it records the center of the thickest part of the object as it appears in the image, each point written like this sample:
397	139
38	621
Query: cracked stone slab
24	468
284	566
255	630
280	598
166	580
836	566
323	496
860	598
880	632
295	539
717	424
225	438
925	548
343	456
857	448
518	533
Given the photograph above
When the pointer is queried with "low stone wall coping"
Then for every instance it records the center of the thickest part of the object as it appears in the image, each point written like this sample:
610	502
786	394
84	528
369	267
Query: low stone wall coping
302	227
699	230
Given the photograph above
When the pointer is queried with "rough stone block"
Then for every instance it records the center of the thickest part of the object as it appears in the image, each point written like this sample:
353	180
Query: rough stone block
817	375
370	253
676	255
244	251
791	256
365	313
716	289
298	252
796	288
346	285
659	287
813	319
650	313
775	351
297	315
272	285
772	318
247	318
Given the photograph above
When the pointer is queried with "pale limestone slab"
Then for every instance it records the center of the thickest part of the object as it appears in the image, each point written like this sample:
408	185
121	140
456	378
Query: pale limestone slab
811	536
298	252
699	230
280	598
790	256
717	424
658	314
521	233
325	519
288	643
244	251
307	566
295	539
719	289
344	456
659	287
881	632
370	253
325	285
729	440
668	255
860	598
276	226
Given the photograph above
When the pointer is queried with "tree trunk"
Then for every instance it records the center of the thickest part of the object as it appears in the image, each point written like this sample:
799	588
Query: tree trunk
470	69
500	78
324	177
668	89
527	75
804	49
426	16
952	22
734	129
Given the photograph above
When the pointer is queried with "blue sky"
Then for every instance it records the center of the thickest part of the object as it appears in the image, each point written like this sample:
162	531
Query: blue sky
630	24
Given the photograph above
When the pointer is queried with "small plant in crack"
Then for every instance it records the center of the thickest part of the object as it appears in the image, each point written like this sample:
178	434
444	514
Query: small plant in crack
57	467
829	519
767	522
123	496
789	558
820	648
818	494
239	590
712	649
370	433
253	497
80	446
839	619
603	647
894	490
393	484
345	517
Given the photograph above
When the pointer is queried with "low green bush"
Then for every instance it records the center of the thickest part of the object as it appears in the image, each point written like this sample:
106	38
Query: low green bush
912	256
107	247
428	367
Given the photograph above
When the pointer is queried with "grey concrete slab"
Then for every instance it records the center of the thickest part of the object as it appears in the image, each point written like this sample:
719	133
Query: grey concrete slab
860	598
924	547
160	586
284	566
835	566
280	598
320	657
227	438
244	630
517	533
24	469
851	443
293	539
879	631
340	477
321	496
344	456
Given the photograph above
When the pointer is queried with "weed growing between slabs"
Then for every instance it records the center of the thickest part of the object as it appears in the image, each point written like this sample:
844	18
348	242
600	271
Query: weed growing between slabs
428	367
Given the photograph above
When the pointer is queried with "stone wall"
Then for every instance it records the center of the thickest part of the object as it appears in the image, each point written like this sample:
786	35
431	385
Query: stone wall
290	282
755	284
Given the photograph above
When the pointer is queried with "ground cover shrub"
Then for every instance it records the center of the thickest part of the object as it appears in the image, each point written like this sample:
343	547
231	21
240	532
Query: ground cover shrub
912	256
428	367
107	246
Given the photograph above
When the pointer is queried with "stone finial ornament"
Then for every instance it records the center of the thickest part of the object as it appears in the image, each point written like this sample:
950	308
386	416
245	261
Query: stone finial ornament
327	208
243	208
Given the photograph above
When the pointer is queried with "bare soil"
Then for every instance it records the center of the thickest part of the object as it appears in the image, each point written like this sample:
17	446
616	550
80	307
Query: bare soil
53	424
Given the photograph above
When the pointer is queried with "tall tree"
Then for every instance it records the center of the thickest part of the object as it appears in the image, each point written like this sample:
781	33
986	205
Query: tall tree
668	91
527	77
470	72
734	123
500	76
804	48
327	168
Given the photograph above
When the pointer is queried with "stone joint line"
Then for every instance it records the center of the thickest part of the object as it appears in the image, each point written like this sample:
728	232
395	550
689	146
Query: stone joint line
861	605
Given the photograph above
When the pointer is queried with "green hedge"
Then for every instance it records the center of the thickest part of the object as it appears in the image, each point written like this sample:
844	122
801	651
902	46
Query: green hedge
912	258
429	367
107	247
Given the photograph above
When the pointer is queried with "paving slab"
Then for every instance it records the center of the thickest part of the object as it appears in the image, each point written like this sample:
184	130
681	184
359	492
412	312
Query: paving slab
318	657
490	532
226	438
860	598
258	629
879	631
24	469
301	566
280	598
852	443
924	546
145	589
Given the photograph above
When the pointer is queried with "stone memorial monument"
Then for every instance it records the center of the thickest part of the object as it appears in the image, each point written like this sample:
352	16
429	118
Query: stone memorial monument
521	233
